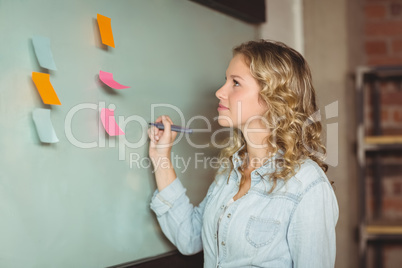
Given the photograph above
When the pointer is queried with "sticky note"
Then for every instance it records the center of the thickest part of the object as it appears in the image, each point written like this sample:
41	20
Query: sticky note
107	78
109	123
44	126
45	88
43	52
105	28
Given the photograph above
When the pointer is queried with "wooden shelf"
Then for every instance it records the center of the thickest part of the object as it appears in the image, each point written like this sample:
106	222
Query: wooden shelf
374	230
378	143
384	229
374	140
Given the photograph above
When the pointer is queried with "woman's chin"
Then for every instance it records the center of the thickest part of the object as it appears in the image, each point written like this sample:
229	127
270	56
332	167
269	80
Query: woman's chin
224	122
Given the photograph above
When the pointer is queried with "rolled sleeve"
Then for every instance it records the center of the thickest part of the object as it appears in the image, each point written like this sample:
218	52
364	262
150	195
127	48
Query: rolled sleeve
180	221
163	201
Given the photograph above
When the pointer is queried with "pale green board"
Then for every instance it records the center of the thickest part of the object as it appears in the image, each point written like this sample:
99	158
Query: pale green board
65	206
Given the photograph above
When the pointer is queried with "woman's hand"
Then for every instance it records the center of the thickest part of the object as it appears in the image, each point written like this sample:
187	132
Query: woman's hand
161	142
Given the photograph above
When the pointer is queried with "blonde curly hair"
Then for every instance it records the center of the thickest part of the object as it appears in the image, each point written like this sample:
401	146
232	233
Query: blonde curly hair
287	89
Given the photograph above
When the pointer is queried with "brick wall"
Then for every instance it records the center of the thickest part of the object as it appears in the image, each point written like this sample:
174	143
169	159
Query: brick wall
383	32
382	44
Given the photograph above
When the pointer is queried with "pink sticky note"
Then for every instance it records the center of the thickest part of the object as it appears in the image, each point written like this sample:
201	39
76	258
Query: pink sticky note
107	78
109	123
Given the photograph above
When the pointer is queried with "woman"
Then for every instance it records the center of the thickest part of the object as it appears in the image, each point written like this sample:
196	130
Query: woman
271	204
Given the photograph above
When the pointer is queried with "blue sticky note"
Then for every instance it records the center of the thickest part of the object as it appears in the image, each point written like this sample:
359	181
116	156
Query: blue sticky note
44	125
43	52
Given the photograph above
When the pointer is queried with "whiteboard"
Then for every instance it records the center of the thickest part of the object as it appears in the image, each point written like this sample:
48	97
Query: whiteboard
82	202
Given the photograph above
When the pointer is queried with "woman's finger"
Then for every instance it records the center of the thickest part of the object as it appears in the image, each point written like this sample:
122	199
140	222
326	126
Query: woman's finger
166	124
149	132
151	135
159	119
170	120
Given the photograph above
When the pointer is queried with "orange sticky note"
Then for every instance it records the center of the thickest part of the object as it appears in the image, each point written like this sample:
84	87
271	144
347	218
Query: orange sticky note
105	28
45	88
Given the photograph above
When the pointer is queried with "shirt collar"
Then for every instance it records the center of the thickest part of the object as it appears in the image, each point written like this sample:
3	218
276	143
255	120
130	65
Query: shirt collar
267	168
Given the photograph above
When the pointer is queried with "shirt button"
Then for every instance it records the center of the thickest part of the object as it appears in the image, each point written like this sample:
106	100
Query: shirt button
215	236
229	215
223	243
223	206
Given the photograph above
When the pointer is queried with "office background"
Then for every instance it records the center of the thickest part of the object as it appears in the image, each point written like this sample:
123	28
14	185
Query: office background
65	206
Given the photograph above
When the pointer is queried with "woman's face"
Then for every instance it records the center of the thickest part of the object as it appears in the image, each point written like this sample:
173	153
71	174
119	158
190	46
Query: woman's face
239	104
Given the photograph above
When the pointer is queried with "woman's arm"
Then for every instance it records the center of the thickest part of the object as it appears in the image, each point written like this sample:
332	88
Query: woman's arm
179	220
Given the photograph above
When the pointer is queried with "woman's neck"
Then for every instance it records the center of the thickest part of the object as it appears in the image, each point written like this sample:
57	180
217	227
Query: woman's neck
257	146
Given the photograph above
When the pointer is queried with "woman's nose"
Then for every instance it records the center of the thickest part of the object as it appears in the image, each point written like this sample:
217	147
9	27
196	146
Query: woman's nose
220	93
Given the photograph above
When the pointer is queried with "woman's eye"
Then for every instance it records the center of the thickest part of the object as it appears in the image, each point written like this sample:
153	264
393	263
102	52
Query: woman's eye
236	84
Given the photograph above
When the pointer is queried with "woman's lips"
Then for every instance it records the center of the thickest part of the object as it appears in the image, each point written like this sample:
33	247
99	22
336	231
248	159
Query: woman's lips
222	108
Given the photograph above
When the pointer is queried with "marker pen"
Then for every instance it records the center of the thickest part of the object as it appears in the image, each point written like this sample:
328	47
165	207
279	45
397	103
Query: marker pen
173	128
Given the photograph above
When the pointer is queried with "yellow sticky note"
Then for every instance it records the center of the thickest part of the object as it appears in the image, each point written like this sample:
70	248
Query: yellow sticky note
45	88
105	28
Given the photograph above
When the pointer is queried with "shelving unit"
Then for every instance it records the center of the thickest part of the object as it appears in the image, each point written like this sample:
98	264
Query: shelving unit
374	230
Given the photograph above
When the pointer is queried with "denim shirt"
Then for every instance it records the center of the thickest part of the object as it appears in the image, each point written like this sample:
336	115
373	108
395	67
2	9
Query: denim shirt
294	226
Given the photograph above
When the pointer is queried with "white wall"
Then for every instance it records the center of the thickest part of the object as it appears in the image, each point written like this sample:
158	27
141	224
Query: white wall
284	22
